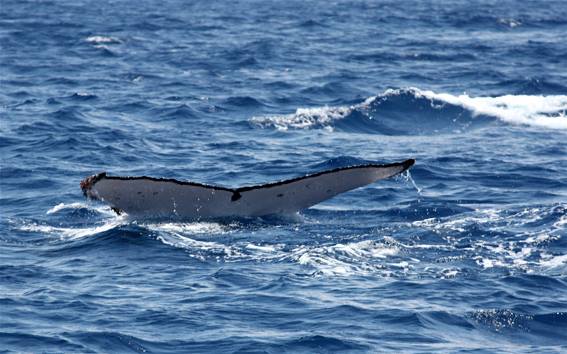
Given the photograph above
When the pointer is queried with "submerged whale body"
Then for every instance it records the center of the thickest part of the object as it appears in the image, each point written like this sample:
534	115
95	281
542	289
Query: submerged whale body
148	197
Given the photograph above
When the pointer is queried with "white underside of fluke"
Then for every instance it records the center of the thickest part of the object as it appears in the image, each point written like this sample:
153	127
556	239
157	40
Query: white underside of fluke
146	197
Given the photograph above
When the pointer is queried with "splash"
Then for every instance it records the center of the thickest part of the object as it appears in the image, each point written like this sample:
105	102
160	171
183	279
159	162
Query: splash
408	178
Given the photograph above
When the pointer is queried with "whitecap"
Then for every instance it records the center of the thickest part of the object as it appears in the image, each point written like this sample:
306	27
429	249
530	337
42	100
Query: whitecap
532	110
103	39
305	118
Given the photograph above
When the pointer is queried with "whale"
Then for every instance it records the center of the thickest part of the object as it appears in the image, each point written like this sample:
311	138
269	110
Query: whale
145	197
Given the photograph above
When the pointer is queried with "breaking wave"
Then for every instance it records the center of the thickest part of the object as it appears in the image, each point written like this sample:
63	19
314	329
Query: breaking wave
413	111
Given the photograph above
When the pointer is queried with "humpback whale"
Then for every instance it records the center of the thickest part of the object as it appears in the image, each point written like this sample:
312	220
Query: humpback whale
161	198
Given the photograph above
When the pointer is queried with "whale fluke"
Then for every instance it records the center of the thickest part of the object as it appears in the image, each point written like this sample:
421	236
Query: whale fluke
148	197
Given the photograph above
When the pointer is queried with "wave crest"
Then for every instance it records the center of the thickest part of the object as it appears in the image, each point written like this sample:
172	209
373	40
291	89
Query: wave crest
412	111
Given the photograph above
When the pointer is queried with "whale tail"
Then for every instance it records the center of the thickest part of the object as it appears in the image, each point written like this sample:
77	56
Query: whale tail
148	197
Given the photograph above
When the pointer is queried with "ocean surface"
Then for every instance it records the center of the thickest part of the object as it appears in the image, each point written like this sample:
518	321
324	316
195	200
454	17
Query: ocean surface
466	253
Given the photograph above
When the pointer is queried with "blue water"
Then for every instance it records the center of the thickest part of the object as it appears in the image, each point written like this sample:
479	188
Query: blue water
468	253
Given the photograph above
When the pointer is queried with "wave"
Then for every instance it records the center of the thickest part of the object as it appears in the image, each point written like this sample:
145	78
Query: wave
412	111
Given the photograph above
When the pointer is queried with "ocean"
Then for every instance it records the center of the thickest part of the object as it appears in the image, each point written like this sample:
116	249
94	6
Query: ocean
465	253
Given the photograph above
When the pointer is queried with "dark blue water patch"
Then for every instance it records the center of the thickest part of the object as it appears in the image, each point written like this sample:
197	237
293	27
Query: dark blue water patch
17	93
240	102
14	341
323	344
125	239
330	89
535	282
389	57
137	106
27	102
311	24
358	122
534	48
53	101
8	142
70	114
395	111
180	112
535	86
424	210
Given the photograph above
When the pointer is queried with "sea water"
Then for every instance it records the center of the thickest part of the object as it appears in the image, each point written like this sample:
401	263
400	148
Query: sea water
467	253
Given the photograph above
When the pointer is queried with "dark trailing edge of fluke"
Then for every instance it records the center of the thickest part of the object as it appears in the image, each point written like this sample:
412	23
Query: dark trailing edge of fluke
89	182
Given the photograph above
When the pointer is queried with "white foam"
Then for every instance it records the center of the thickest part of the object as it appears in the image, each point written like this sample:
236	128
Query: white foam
343	259
535	110
72	233
62	206
537	239
449	273
103	39
510	22
554	261
335	259
262	248
305	118
189	228
198	247
561	223
525	252
522	251
103	209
